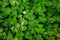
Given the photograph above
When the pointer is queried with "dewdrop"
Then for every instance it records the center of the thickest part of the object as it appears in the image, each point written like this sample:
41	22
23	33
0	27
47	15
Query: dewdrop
24	12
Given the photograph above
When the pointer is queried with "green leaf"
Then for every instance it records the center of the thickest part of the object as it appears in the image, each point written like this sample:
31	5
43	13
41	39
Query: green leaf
9	36
1	30
42	19
58	6
13	2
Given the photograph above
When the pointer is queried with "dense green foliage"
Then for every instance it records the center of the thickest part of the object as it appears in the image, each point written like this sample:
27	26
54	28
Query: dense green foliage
29	19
